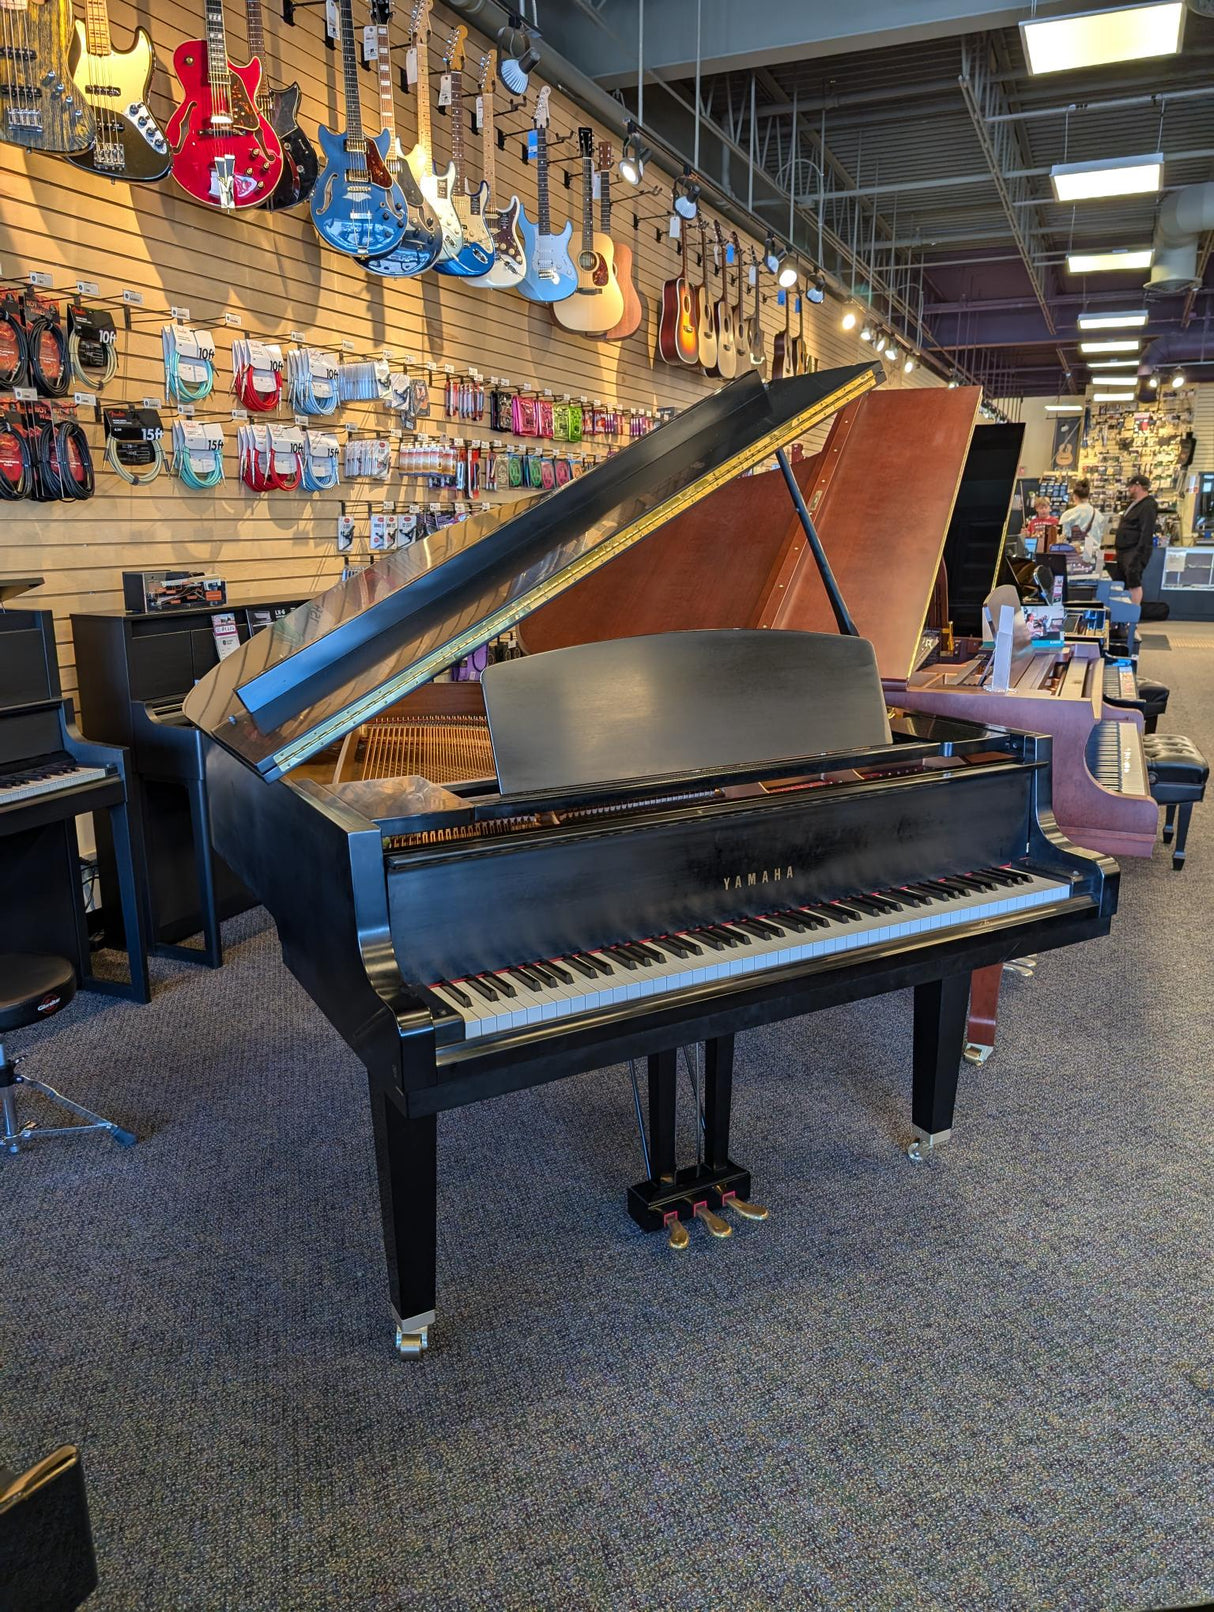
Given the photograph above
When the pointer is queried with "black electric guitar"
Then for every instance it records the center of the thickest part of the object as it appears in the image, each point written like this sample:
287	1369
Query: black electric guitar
279	105
41	107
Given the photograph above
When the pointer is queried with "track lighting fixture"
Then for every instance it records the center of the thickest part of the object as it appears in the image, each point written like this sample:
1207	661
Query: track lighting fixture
908	364
1178	379
519	55
815	290
779	263
686	193
633	156
849	320
867	334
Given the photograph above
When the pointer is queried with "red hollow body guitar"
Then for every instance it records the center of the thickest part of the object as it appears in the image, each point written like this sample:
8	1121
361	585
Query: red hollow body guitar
225	152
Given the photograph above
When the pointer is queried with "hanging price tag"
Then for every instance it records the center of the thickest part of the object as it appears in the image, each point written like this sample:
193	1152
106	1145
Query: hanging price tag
479	114
411	66
444	90
371	43
752	274
332	26
676	226
87	288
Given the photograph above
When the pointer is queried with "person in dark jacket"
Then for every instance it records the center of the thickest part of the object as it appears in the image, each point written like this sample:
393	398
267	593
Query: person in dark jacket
1136	535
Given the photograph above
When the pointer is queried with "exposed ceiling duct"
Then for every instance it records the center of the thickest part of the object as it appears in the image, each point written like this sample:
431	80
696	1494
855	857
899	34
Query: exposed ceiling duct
1184	217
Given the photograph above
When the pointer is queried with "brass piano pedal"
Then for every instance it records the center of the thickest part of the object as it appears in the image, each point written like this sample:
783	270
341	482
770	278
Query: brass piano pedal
748	1211
714	1223
679	1235
1025	967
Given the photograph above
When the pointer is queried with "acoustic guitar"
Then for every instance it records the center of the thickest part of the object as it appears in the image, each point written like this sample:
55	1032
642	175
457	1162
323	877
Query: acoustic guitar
706	325
41	108
781	347
679	321
792	352
597	303
225	153
509	254
723	314
280	107
634	303
130	143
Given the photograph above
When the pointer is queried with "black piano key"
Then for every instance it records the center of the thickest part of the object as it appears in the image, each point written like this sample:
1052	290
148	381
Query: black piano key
563	974
734	935
461	997
935	887
599	964
527	977
911	898
865	905
885	902
1000	876
647	951
840	911
540	970
676	946
956	884
500	983
713	942
978	881
481	988
582	968
764	928
801	923
619	955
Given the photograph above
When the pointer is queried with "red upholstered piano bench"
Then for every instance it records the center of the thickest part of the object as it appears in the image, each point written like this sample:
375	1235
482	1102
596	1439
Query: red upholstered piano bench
1177	772
32	988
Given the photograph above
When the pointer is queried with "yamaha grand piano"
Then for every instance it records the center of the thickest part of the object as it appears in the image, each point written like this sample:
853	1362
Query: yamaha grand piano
666	840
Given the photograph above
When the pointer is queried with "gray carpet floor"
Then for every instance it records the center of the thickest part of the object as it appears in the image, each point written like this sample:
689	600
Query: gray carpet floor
983	1382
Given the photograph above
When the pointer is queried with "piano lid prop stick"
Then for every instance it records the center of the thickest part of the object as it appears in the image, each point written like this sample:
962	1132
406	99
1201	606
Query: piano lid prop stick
842	617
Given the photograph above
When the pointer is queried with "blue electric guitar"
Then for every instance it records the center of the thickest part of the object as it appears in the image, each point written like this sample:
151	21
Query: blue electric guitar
475	255
550	276
423	238
357	206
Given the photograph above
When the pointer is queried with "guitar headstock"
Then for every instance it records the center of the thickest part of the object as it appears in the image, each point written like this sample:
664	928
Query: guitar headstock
419	21
541	108
486	73
604	160
585	144
381	12
453	56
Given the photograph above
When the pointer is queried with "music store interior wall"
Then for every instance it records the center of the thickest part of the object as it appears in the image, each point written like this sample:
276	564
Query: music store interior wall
245	302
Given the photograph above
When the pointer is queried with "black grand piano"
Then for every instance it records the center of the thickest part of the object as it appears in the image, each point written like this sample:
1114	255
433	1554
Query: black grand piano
678	837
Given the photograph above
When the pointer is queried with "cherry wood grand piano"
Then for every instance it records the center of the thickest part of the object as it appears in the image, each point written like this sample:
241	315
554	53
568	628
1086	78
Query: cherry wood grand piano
667	838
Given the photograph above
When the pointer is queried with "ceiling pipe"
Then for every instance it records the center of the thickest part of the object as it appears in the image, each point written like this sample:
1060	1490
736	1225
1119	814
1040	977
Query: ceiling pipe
1184	217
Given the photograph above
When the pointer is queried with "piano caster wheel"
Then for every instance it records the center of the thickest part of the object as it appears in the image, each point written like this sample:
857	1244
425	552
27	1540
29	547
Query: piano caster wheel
679	1235
925	1144
975	1052
716	1226
413	1335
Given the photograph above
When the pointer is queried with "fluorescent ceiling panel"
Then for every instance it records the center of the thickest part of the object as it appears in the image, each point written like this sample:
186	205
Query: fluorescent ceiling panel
1097	262
1127	346
1112	363
1064	408
1111	321
1124	34
1113	397
1126	176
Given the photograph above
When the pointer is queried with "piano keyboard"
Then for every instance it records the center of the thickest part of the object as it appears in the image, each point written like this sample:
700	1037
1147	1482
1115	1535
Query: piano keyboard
559	988
43	775
1119	682
1114	757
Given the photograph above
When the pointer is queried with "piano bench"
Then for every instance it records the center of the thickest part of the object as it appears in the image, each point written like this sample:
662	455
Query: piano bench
1177	772
32	988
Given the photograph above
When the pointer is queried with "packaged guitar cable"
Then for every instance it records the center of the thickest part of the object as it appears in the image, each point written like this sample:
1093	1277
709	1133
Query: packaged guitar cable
133	442
198	453
46	347
257	375
92	345
271	457
189	362
312	380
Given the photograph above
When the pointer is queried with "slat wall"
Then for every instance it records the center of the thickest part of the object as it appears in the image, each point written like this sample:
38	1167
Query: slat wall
272	271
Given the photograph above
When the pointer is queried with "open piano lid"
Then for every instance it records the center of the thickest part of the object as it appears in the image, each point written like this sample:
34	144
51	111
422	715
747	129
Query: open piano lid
306	681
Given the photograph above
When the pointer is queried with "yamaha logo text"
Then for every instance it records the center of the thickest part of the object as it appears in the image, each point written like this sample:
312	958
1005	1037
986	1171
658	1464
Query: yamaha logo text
741	881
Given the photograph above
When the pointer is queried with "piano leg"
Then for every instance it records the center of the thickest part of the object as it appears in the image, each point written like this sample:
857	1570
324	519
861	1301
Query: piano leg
663	1078
940	1012
984	1011
406	1160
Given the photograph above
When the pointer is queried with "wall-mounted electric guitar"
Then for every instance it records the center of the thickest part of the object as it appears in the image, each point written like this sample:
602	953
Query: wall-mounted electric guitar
41	107
476	252
224	151
598	302
723	315
781	347
435	187
806	362
706	328
679	321
280	107
509	254
756	341
129	143
356	206
739	303
634	303
550	275
422	239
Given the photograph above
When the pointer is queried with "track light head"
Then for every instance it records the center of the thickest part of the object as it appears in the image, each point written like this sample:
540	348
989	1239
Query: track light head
632	157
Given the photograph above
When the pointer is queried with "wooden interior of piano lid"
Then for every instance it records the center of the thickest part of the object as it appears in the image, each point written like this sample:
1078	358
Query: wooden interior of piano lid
881	494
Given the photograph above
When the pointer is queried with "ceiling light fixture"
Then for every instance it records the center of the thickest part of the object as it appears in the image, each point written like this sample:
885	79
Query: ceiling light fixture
891	347
867	334
1178	379
686	194
908	364
787	277
1112	397
1125	176
1153	382
1112	321
849	320
1127	346
1112	363
1064	408
633	156
519	56
1098	262
815	290
1124	34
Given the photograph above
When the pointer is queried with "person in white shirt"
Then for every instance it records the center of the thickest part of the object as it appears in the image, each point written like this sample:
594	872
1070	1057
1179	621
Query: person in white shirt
1083	525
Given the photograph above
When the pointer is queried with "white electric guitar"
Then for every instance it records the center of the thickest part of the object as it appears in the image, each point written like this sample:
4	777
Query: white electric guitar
436	187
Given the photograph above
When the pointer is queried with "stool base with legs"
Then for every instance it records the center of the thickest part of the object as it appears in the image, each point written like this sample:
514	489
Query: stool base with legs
1177	774
32	988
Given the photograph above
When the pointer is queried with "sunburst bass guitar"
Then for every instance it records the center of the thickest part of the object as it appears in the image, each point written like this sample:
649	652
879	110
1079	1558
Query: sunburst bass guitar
41	108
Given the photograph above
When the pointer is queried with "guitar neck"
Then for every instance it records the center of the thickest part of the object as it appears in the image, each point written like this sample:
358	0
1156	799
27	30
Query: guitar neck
425	133
489	144
387	101
349	73
218	73
605	201
255	28
97	28
587	205
543	215
456	112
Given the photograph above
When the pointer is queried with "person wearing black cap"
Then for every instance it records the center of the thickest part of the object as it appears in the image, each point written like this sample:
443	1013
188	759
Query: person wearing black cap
1136	535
